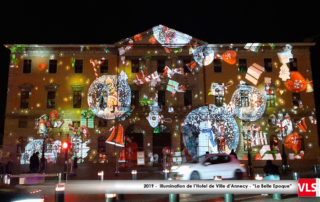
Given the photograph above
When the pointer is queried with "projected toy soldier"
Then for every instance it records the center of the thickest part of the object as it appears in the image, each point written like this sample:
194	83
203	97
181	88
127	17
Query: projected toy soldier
221	141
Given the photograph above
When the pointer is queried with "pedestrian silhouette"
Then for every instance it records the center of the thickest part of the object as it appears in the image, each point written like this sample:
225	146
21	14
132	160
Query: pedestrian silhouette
233	153
34	163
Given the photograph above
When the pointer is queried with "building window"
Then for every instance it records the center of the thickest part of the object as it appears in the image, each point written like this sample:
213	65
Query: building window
53	66
295	99
102	123
104	67
218	100
185	66
51	99
270	95
135	65
135	97
161	65
268	64
161	98
78	67
188	98
23	123
244	98
24	102
242	65
293	64
102	144
27	66
77	99
217	65
76	124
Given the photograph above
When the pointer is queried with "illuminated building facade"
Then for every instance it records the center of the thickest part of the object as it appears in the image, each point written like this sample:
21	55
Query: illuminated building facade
258	96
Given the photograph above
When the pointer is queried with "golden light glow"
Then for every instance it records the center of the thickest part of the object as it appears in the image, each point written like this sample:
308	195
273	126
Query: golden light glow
65	99
239	77
277	82
51	80
38	104
281	101
67	67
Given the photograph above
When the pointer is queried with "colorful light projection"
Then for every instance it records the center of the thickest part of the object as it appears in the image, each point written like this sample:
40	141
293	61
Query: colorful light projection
170	38
248	103
109	96
297	83
80	148
203	55
211	129
51	154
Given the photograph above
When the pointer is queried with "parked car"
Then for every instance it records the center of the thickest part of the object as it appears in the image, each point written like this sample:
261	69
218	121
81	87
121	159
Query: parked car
209	166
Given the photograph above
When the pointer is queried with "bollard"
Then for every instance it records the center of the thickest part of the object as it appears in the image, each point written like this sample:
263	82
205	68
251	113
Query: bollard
6	179
173	197
276	196
134	174
166	172
59	192
59	177
228	197
110	197
295	175
101	174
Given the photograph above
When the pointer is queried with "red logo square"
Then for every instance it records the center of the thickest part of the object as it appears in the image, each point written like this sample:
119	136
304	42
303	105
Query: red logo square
307	187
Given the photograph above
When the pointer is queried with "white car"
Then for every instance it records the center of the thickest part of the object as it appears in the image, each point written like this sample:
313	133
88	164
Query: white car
208	167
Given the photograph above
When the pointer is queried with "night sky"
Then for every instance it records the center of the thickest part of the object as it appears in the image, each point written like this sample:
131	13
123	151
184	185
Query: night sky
219	22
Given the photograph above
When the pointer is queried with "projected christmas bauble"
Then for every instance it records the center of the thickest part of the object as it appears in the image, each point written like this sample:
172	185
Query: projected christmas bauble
109	96
211	129
169	37
248	103
203	55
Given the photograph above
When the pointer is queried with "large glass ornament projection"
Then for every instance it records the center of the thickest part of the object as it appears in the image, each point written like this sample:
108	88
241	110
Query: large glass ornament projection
109	96
210	129
203	55
170	38
248	103
51	154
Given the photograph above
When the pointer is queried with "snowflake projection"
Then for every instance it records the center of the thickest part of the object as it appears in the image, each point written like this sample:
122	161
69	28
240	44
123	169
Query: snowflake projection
203	55
109	96
248	103
34	146
219	123
80	148
170	38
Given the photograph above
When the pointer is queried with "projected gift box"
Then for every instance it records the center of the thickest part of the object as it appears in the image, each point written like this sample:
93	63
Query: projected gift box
267	154
254	72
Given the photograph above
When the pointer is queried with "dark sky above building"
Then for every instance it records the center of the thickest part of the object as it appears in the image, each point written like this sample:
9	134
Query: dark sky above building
107	21
110	21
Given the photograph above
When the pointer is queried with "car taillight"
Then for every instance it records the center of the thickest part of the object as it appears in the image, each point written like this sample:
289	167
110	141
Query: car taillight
242	165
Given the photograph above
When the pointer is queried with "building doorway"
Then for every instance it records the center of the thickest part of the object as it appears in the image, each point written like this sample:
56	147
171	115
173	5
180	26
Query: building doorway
161	140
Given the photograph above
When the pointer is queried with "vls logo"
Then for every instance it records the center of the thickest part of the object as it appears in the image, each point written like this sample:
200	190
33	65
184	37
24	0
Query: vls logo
309	187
